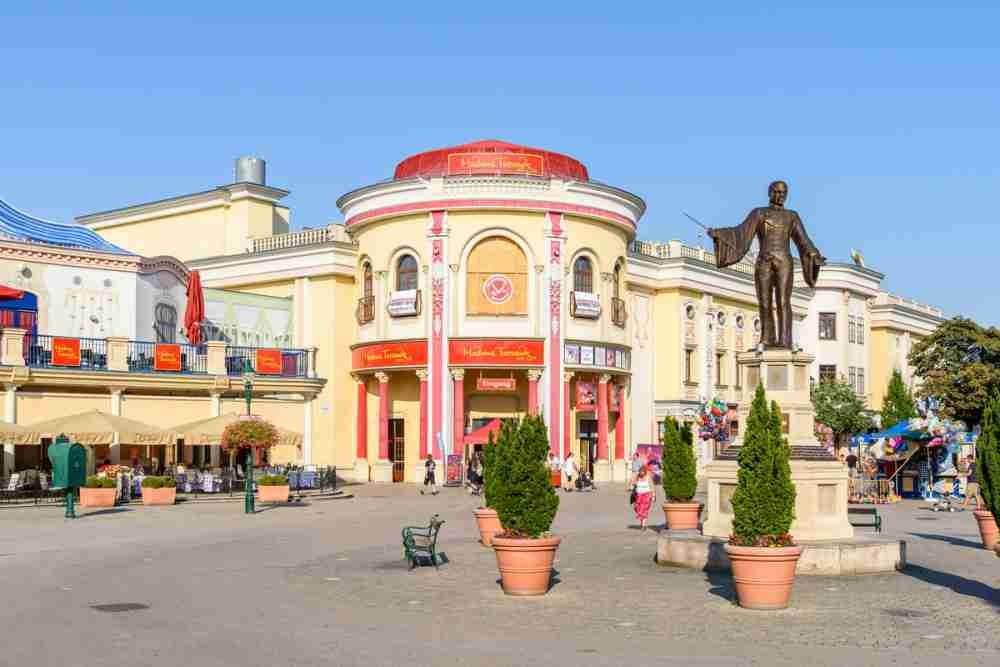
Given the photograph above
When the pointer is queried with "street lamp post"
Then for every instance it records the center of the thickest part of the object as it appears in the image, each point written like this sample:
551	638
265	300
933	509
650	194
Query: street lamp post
248	499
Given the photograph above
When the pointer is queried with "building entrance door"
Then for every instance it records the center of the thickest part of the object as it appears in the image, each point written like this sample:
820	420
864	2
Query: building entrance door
397	449
588	444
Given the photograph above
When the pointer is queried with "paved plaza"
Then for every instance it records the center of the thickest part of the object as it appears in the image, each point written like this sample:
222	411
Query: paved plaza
325	583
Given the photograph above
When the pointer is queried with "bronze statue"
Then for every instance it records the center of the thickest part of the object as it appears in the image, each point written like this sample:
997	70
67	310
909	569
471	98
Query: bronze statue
774	226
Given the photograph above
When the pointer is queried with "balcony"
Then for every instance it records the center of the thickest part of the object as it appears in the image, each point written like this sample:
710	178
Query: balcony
365	311
619	314
120	355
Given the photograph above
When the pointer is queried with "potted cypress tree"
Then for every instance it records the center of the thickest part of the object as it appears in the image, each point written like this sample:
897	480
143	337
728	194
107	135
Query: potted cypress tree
526	503
486	517
679	478
988	473
762	553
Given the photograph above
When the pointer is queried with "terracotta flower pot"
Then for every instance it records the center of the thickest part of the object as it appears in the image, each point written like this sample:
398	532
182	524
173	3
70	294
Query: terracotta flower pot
97	497
272	494
682	516
164	496
489	524
988	531
525	564
763	575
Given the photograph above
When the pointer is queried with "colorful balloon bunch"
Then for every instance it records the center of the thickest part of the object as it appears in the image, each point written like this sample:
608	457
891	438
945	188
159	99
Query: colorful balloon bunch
714	425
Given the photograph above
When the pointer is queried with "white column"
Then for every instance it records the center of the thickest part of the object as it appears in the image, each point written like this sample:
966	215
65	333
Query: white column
307	430
216	452
10	416
116	410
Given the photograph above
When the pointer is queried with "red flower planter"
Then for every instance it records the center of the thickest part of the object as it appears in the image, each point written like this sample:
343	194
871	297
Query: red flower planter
488	523
763	575
272	494
97	497
988	531
164	496
525	564
683	516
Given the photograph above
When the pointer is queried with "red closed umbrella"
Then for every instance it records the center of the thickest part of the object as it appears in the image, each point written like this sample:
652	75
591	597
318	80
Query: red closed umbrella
195	311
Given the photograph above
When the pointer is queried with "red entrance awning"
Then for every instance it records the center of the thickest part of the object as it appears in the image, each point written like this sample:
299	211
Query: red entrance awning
482	434
9	293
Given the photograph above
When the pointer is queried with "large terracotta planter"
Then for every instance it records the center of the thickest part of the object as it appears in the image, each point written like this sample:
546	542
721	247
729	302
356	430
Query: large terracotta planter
525	564
164	496
682	516
988	531
97	497
272	494
489	524
763	575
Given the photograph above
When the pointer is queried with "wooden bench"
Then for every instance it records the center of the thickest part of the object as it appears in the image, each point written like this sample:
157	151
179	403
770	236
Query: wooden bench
422	541
872	512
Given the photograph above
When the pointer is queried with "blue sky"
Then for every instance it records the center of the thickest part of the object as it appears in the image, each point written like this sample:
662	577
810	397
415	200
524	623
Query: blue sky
883	119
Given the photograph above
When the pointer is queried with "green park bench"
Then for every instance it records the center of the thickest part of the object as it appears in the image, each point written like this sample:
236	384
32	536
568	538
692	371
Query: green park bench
874	518
422	541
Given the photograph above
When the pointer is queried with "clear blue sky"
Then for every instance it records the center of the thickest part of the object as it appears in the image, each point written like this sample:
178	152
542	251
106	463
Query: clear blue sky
883	119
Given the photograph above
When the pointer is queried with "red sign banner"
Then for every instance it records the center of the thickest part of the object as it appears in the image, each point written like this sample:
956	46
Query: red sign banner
167	357
65	351
586	395
269	361
488	352
389	355
495	163
496	384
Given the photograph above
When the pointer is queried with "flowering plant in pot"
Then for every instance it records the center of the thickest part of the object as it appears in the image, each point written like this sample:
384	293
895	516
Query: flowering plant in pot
988	474
679	477
272	489
159	490
526	503
249	434
762	553
487	519
98	492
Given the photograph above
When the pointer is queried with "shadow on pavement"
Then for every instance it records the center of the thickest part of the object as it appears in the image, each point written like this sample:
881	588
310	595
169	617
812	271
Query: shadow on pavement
722	585
957	541
110	510
957	584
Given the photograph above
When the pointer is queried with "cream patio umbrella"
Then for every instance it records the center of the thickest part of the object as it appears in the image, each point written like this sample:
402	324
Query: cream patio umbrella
100	428
18	435
209	431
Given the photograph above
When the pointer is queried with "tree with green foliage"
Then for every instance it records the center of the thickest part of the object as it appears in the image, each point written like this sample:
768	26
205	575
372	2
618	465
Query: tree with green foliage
687	435
898	403
988	463
679	469
764	499
838	406
521	482
959	364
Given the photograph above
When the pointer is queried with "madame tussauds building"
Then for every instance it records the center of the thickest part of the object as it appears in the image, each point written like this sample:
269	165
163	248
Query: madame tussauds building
490	284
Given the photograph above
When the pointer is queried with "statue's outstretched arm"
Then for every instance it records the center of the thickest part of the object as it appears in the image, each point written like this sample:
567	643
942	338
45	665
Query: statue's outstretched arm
733	243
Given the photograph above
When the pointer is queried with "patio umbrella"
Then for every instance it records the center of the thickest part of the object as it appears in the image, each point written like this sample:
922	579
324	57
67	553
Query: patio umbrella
17	434
209	431
194	313
99	428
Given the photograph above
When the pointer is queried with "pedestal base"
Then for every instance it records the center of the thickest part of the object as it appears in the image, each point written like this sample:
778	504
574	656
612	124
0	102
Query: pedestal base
620	471
360	471
602	471
382	471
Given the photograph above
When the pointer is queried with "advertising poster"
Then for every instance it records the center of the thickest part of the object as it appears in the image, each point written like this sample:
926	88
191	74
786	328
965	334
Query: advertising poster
269	362
652	456
586	395
167	357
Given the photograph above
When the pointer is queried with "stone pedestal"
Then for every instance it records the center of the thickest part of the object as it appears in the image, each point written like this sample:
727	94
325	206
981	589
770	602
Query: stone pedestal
602	471
820	480
620	471
381	471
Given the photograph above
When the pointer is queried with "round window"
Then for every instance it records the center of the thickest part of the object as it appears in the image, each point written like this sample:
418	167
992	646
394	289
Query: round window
721	318
756	324
689	311
739	322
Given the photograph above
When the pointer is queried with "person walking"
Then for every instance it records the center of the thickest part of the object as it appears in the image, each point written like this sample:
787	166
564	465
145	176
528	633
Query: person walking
972	487
570	471
645	495
429	467
636	467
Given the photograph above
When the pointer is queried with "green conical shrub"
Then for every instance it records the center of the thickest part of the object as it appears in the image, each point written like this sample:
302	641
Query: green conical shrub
988	463
764	500
489	474
679	468
522	492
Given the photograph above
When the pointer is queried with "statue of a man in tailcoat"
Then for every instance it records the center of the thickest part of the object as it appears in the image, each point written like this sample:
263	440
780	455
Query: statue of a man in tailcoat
775	227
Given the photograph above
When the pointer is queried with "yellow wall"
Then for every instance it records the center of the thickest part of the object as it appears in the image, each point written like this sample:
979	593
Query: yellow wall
668	378
174	235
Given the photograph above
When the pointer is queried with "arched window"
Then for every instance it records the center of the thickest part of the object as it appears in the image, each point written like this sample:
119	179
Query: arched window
617	277
496	278
166	323
367	281
366	304
406	273
583	275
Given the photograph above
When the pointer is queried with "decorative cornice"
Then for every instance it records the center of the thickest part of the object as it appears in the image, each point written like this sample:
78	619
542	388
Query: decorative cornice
46	254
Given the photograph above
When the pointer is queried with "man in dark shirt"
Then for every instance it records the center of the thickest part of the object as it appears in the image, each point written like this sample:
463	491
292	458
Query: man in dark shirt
972	487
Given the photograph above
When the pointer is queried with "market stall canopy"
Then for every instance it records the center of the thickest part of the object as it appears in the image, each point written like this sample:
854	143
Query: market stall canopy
98	428
900	430
482	434
15	432
209	431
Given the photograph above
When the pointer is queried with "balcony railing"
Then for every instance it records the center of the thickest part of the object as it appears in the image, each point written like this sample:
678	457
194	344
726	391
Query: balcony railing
131	356
619	314
365	312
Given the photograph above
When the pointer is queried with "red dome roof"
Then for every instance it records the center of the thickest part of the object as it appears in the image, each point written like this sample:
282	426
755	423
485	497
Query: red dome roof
491	157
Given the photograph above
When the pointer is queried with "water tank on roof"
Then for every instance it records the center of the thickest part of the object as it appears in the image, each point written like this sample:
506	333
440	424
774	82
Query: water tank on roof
251	169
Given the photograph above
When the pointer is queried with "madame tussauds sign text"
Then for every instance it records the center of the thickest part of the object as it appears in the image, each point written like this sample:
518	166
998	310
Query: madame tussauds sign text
465	352
389	355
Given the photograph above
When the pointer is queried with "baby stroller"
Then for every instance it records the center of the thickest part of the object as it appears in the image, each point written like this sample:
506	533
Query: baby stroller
584	482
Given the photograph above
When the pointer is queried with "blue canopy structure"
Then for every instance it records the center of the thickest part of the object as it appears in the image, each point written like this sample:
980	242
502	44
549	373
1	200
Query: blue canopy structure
900	430
19	226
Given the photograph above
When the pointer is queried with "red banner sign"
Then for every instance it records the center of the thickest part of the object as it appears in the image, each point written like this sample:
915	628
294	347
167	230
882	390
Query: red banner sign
495	163
65	351
269	361
480	352
389	355
586	395
167	357
496	384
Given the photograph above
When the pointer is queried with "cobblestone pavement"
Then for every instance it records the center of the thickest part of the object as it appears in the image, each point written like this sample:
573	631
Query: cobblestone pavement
325	584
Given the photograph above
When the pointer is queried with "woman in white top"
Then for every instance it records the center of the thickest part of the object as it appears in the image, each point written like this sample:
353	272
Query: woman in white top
645	495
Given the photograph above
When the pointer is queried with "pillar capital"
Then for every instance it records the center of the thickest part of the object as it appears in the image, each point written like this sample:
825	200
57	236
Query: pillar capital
422	374
604	378
116	391
458	373
11	386
383	378
360	378
535	375
568	375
